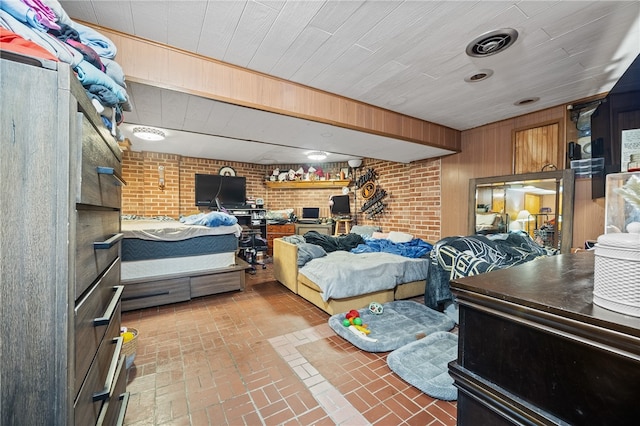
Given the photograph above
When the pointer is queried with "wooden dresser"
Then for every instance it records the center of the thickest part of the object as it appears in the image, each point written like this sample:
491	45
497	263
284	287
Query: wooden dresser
534	349
278	231
60	359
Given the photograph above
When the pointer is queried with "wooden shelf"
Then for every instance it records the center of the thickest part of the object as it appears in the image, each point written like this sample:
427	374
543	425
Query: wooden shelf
307	184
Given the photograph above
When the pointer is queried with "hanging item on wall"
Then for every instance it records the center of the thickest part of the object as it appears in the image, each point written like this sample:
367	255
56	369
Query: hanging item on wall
227	171
372	193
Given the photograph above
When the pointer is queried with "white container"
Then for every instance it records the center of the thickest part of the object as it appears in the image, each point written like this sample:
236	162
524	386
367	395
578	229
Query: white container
616	284
620	212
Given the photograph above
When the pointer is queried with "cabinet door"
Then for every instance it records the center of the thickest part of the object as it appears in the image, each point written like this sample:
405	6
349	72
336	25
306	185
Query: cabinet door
537	147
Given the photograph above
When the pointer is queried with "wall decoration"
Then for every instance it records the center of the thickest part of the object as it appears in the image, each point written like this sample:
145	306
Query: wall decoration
372	193
227	171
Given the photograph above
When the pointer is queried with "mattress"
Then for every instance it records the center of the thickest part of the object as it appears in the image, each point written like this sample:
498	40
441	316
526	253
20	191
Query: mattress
152	248
135	270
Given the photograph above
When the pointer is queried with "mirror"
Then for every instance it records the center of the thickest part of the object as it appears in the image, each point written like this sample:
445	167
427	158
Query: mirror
540	204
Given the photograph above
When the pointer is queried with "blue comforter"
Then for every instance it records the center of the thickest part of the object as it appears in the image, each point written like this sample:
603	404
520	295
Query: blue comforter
414	249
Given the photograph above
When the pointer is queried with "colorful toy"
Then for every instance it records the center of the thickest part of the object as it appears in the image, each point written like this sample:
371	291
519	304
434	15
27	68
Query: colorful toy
354	322
376	308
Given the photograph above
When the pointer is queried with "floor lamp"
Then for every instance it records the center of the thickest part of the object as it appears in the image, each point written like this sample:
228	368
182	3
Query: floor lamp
355	164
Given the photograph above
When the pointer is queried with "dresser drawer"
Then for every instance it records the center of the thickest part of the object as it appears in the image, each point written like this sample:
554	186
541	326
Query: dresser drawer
98	245
94	314
101	377
101	182
114	408
216	283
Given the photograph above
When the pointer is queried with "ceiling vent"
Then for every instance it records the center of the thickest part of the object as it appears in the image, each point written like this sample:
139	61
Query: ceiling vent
492	42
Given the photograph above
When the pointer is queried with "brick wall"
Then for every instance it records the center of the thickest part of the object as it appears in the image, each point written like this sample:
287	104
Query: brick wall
413	200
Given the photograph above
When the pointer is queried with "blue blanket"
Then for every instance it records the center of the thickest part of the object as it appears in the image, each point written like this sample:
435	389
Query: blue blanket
414	249
211	219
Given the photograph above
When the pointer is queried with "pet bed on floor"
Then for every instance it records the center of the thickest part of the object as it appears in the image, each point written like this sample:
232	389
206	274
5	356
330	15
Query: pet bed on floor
423	364
401	322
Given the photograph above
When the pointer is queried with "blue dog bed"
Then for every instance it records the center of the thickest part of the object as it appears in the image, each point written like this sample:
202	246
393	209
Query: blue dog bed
402	322
424	364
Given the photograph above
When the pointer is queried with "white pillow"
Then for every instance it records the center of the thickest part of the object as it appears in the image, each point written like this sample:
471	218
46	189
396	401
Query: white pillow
485	219
399	237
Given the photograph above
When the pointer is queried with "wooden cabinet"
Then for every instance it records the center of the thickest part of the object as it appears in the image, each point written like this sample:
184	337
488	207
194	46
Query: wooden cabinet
534	350
278	231
60	360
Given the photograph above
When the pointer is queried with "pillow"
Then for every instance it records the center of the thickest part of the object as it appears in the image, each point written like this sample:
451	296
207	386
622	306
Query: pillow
279	214
380	235
485	219
399	237
364	230
307	252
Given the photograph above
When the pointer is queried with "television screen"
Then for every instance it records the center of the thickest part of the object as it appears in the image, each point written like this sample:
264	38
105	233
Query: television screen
230	191
340	205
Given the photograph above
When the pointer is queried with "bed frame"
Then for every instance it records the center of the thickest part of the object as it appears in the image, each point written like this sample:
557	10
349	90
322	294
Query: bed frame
161	290
285	270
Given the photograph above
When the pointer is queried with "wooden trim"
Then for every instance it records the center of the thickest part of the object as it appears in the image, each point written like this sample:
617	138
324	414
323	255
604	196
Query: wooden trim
306	184
164	66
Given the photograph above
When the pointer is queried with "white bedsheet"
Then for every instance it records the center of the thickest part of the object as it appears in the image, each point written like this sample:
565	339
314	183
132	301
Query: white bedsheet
163	230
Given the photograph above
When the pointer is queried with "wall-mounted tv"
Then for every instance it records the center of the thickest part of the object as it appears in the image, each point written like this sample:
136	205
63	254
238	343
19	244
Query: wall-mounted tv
340	205
221	191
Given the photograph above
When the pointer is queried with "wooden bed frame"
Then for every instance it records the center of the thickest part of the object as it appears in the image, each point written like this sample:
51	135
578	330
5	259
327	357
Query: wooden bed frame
285	270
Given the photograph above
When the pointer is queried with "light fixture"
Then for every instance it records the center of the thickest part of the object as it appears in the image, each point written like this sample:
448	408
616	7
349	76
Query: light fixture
161	177
355	163
477	76
317	155
148	133
526	101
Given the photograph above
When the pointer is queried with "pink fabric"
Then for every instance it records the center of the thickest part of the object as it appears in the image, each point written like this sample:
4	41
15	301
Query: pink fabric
44	14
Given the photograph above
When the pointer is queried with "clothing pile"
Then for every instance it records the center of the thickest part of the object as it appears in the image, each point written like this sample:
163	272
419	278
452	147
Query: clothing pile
42	29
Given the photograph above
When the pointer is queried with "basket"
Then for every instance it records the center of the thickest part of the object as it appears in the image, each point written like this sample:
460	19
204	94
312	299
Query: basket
616	280
129	348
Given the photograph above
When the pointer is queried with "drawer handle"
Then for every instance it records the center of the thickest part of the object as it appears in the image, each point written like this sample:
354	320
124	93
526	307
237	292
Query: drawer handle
104	393
110	171
123	408
104	320
107	244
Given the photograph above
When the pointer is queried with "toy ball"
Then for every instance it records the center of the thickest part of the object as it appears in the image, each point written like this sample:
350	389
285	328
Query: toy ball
357	321
375	308
346	322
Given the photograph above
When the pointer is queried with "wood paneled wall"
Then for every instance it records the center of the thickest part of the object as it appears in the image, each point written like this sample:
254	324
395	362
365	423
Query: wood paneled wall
164	66
488	151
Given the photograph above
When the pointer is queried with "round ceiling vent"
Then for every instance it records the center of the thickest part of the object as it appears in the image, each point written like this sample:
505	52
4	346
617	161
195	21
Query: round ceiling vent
492	42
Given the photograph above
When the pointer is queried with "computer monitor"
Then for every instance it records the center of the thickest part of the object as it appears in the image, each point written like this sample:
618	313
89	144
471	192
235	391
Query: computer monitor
340	205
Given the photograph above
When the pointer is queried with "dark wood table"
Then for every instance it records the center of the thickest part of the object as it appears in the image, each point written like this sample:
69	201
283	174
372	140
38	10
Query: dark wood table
534	349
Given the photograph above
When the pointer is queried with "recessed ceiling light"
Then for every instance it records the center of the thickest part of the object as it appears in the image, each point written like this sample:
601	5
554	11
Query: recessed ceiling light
526	101
317	155
478	76
148	133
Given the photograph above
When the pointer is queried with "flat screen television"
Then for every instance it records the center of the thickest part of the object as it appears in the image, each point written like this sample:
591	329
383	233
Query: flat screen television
340	205
220	191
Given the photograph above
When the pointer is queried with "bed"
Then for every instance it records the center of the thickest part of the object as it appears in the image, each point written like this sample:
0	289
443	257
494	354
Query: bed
167	261
342	280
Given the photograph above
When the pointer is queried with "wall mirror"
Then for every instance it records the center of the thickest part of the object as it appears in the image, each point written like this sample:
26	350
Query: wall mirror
540	204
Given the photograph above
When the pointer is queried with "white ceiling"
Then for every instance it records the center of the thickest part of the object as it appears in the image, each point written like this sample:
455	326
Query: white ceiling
405	56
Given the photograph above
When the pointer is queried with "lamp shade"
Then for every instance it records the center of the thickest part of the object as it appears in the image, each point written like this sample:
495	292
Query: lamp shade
355	163
524	216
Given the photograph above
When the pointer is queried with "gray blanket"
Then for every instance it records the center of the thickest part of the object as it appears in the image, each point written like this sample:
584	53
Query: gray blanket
342	274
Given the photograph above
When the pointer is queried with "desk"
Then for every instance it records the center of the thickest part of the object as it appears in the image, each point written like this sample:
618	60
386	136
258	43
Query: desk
320	228
535	350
